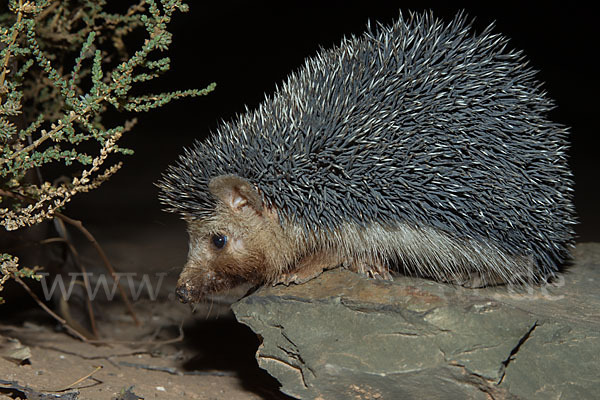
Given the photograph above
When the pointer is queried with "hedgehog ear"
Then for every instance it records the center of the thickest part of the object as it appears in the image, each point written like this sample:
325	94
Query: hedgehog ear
235	192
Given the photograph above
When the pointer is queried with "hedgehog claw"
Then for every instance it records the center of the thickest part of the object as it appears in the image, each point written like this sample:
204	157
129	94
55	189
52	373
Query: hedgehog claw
375	271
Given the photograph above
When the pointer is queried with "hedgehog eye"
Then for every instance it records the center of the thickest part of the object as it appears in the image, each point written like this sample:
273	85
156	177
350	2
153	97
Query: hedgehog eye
219	241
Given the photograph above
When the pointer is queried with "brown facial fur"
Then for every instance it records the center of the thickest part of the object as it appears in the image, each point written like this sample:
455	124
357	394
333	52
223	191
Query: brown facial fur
256	249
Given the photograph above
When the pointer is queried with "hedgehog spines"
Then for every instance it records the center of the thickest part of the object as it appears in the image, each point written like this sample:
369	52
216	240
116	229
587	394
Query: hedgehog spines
419	123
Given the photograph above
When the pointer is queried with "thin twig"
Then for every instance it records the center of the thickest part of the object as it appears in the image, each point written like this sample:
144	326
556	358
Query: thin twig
65	235
47	10
104	258
79	265
98	368
177	339
45	135
15	196
92	358
146	343
49	311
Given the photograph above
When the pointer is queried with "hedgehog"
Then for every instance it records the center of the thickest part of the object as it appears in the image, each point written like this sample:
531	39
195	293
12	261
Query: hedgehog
421	148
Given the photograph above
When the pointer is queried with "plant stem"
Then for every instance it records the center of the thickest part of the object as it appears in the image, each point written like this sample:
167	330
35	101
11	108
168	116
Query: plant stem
49	311
13	39
107	263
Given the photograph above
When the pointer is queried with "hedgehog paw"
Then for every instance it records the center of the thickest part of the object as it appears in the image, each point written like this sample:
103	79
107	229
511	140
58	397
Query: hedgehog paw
376	270
380	275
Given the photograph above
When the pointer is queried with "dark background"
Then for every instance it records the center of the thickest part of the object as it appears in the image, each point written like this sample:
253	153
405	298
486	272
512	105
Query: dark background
248	48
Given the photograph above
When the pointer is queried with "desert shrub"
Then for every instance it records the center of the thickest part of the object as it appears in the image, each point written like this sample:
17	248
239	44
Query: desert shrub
63	66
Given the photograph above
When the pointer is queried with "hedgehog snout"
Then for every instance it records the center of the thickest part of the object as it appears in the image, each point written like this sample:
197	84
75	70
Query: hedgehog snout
183	294
194	285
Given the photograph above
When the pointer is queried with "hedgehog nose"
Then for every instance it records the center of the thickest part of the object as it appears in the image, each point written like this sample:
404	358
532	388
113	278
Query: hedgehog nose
183	293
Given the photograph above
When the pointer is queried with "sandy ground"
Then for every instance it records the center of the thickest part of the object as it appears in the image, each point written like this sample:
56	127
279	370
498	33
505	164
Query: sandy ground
211	357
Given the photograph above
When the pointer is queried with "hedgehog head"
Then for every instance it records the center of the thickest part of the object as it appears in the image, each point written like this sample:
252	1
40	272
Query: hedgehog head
237	242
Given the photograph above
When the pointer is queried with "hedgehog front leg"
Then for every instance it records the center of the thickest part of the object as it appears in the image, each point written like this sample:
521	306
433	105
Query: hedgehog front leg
314	265
308	268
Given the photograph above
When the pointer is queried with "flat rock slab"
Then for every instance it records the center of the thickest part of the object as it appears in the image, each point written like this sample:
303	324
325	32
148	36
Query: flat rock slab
341	336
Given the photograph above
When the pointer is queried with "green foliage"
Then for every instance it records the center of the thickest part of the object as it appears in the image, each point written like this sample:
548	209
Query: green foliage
63	65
